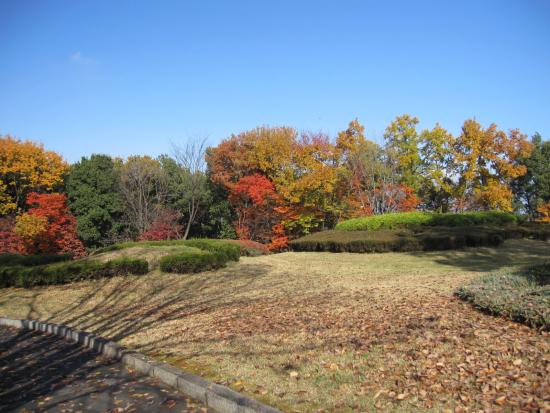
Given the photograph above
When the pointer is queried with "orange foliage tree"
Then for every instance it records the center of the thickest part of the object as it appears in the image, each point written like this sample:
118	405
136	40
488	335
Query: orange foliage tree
544	212
26	166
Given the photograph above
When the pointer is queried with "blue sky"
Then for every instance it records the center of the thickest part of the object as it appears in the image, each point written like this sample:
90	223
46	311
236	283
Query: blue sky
129	77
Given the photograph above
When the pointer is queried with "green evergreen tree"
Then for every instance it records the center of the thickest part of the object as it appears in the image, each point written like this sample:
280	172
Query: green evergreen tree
94	198
533	189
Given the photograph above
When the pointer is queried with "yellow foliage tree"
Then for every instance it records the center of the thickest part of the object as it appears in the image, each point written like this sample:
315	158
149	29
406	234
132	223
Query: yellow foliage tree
544	211
26	166
487	162
30	228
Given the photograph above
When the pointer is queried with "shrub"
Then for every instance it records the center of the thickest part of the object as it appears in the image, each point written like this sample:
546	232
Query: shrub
427	239
65	272
229	251
191	261
416	219
522	296
250	248
210	254
32	260
473	218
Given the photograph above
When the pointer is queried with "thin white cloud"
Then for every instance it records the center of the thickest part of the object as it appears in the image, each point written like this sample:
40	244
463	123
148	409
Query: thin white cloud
79	58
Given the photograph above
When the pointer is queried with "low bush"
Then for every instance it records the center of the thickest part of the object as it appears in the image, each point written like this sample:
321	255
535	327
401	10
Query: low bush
426	239
65	272
209	255
189	262
522	296
250	248
32	260
419	219
228	251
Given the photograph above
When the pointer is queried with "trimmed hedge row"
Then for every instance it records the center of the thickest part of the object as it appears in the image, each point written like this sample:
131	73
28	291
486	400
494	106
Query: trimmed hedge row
32	260
65	272
522	296
210	254
416	219
430	239
201	243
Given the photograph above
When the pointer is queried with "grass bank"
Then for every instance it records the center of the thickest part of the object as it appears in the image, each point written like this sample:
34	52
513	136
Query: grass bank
318	331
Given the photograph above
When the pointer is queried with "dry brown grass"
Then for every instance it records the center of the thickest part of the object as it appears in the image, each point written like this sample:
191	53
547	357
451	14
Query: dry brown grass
322	331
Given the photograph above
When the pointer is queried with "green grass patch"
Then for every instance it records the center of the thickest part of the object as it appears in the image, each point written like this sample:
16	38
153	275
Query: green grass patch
416	219
65	272
522	296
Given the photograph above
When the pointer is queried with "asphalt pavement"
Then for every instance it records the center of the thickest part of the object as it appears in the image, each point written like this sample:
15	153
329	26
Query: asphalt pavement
45	373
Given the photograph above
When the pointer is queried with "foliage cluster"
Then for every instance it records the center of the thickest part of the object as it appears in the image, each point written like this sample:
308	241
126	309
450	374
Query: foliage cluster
66	272
268	185
413	219
522	296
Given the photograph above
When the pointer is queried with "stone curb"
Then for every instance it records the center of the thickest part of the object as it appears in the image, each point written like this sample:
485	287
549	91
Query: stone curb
217	398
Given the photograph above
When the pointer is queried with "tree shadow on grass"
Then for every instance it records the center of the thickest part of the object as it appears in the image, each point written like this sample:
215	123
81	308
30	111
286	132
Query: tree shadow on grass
512	253
162	302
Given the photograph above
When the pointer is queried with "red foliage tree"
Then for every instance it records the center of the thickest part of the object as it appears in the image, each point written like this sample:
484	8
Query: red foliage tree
60	234
255	202
279	241
10	242
164	227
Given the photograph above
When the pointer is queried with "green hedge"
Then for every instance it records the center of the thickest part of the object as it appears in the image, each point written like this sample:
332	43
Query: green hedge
416	219
428	239
522	296
209	255
229	251
65	272
32	260
200	243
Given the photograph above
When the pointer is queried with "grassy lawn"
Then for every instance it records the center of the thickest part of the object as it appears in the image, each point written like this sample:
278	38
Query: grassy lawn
322	331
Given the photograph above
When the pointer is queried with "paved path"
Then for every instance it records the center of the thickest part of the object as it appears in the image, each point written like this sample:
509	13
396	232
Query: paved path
44	373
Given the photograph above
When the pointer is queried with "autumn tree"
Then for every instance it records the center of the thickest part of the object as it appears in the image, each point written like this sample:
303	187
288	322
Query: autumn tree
143	188
10	242
264	151
48	226
374	184
94	198
258	209
310	189
487	163
402	145
436	168
166	226
26	166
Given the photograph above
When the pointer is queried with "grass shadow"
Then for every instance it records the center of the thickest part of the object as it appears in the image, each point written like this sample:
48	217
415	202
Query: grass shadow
512	253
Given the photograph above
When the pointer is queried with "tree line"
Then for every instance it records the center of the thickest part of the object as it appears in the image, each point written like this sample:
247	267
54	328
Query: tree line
268	184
